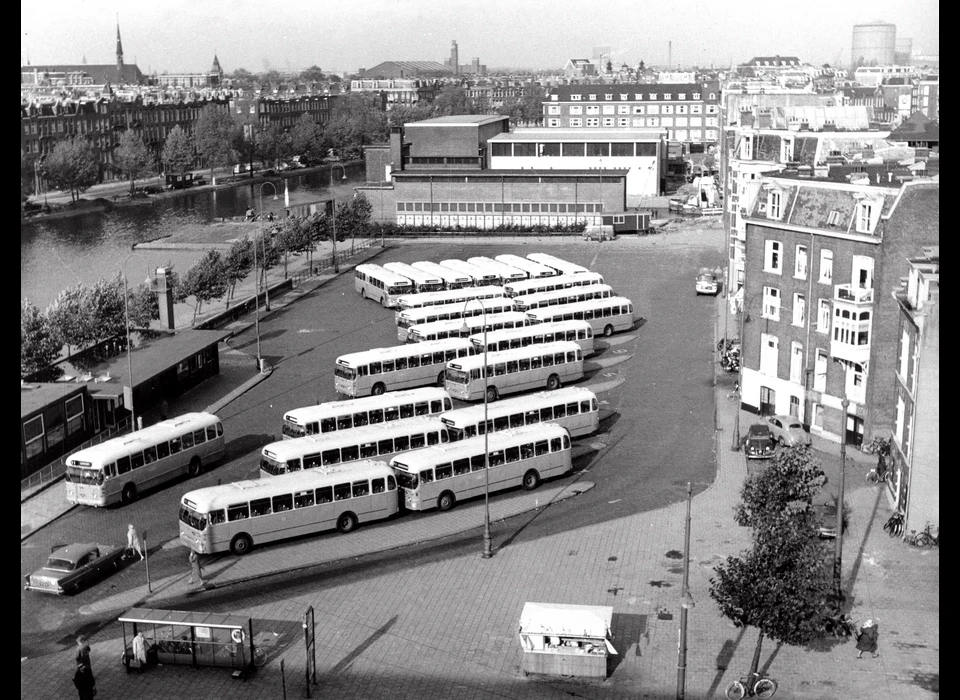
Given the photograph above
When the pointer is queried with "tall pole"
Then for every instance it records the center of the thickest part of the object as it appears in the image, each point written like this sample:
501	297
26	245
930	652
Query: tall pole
838	542
336	262
263	242
686	602
735	446
126	323
487	548
256	302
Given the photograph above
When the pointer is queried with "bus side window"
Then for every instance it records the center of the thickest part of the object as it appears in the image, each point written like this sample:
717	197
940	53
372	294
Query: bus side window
324	494
377	485
444	471
501	423
516	420
409	410
512	366
219	430
150	454
303	499
391	484
558	358
542	447
260	506
499	369
496	458
413	361
524	364
573	408
163	450
327	425
136	460
401	363
531	417
211	432
548	360
388	366
546	414
344	422
375	368
216	517
282	503
526	450
401	443
536	362
175	446
359	419
350	454
368	450
123	465
556	444
477	463
239	511
110	470
391	413
513	454
376	416
199	436
361	488
417	441
331	457
426	476
461	466
584	407
566	442
187	441
385	447
341	492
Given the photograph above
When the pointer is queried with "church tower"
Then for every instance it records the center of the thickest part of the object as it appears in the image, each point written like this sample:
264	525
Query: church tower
119	55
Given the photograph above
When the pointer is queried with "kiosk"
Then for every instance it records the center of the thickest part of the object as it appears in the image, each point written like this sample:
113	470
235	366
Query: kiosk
566	640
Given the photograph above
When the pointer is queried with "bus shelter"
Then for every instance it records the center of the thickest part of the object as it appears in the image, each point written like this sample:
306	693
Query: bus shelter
191	638
566	640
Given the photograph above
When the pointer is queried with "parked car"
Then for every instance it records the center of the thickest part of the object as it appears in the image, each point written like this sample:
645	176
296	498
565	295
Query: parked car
70	568
598	233
788	431
759	442
707	282
827	515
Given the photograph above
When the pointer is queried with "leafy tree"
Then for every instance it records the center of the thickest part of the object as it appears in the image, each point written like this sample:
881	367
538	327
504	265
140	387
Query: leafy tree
307	138
39	345
213	135
274	144
239	262
28	172
293	239
356	120
132	158
67	316
178	151
398	116
313	74
143	306
104	307
242	76
72	166
205	281
353	217
452	100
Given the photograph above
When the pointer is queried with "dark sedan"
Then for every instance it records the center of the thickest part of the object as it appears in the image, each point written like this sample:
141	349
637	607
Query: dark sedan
759	442
70	568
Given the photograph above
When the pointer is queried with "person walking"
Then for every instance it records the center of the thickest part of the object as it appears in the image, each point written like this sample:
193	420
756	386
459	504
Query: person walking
83	653
196	570
133	541
867	639
84	682
139	660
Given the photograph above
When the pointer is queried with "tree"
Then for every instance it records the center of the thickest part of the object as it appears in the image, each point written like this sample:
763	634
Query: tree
205	281
132	158
241	76
178	151
356	120
274	144
28	172
73	166
239	262
452	100
67	316
353	217
400	115
294	239
313	74
213	135
307	138
39	346
104	307
143	306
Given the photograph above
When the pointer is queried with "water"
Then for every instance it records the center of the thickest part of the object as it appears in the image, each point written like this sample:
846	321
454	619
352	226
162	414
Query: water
60	253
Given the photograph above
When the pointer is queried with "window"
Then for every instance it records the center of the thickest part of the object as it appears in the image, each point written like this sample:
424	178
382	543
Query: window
820	371
823	316
576	109
576	121
771	303
772	261
799	309
575	98
796	362
833	219
769	350
774	201
865	214
826	266
800	263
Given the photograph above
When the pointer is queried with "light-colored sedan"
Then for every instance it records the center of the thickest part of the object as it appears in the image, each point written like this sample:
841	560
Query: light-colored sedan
788	431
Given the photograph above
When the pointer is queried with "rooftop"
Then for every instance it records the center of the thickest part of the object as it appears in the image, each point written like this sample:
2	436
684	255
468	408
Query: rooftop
553	135
459	120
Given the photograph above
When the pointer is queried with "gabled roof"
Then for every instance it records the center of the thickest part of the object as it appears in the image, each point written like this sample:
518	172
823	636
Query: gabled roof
99	74
917	127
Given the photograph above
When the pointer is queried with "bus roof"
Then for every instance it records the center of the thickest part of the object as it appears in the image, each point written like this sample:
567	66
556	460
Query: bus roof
507	272
395	351
469	268
109	450
388	276
472	361
561	293
577	306
565	266
405	270
532	267
446	273
538	329
418	311
436	298
474	321
294	448
470	415
513	288
339	408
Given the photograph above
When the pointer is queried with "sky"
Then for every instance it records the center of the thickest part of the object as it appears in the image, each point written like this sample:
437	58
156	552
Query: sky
183	35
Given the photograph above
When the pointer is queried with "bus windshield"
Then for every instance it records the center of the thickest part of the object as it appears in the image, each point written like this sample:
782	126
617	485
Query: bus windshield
76	475
457	376
198	521
406	480
345	372
272	466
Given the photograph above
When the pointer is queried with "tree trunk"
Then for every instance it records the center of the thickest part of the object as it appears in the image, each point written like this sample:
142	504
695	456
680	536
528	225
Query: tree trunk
755	663
132	188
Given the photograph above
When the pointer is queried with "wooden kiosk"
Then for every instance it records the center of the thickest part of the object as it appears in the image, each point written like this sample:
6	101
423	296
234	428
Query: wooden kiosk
565	640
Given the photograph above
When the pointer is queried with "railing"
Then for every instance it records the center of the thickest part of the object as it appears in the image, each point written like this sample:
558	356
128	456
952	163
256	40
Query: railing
852	294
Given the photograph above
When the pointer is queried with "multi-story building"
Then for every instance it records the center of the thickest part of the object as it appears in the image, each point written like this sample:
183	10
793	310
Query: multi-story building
285	112
819	320
210	79
400	92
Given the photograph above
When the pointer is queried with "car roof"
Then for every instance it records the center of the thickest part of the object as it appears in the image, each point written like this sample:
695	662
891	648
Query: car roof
74	552
759	429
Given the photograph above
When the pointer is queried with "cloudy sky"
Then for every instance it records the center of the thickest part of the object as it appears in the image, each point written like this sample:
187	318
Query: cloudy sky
344	35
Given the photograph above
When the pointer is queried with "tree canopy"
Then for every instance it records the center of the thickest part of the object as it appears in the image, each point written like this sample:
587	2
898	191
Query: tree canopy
132	158
178	151
39	345
214	135
72	166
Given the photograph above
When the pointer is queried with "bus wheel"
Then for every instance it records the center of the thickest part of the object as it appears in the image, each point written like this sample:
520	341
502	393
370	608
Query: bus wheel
347	523
195	467
383	302
608	330
241	544
378	389
553	382
446	501
441	380
492	394
129	493
363	293
531	480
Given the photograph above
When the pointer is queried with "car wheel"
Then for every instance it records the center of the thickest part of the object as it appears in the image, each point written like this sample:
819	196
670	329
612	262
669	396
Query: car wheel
781	441
378	389
608	330
492	394
553	382
531	480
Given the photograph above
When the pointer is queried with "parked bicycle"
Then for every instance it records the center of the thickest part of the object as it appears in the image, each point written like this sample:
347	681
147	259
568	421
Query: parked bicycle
894	526
927	537
751	685
259	655
881	447
728	344
840	625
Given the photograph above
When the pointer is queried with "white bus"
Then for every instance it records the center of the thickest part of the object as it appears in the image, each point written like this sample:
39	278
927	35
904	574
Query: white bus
345	446
606	316
549	284
560	297
508	273
441	476
575	408
474	324
564	267
379	284
422	281
450	312
447	296
400	367
580	332
240	515
117	470
533	269
481	277
451	278
511	371
370	410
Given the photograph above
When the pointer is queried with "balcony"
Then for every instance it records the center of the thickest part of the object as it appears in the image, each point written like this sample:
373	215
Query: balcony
852	294
858	354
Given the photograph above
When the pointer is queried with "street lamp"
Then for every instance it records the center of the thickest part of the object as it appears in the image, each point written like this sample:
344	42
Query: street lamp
126	323
744	308
686	603
838	542
465	329
336	263
263	242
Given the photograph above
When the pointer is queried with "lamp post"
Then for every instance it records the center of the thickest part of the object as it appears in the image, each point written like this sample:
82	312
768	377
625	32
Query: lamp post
336	263
838	542
256	302
686	602
263	242
744	307
126	323
487	551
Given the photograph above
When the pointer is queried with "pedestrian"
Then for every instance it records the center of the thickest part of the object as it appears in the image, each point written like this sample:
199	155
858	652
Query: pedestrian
196	571
84	682
867	639
133	541
163	409
139	660
83	653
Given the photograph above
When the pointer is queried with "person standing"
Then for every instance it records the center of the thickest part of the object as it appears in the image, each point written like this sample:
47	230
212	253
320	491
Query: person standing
196	570
84	682
867	639
83	653
133	540
139	652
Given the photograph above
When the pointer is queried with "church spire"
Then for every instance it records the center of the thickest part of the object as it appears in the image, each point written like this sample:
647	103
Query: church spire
119	49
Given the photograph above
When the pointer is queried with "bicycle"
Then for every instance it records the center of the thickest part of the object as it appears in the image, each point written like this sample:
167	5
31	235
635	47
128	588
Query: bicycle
924	538
751	685
894	526
259	655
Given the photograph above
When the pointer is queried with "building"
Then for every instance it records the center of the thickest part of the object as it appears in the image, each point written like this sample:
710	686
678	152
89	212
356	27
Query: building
819	321
262	112
580	68
213	78
405	69
874	44
762	65
926	98
83	74
55	419
454	66
405	92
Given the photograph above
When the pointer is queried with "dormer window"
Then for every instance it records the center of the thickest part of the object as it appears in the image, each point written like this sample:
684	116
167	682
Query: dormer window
608	96
696	95
638	96
624	97
833	219
554	97
868	212
593	97
682	96
575	98
775	204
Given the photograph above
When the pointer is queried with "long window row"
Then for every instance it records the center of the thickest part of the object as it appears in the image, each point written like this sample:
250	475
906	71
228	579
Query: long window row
500	207
372	450
616	149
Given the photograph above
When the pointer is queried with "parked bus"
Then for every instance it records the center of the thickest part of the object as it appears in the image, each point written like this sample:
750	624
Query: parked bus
447	296
344	446
401	367
463	327
579	332
450	312
451	278
549	284
508	273
481	277
439	477
560	297
606	316
533	269
370	410
511	371
564	267
422	281
118	470
244	514
379	284
575	408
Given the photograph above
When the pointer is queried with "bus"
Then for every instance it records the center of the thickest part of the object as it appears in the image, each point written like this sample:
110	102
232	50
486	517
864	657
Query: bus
422	281
451	278
510	371
579	332
508	273
559	297
562	266
244	514
463	327
379	284
533	269
439	477
575	408
447	296
482	277
400	367
450	312
118	470
605	316
346	446
549	284
370	410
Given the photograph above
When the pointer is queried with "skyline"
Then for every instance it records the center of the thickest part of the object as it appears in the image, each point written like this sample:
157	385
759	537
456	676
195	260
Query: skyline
519	34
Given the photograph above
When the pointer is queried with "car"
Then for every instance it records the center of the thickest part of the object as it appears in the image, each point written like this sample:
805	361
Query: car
827	519
707	282
598	233
69	568
788	431
759	442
